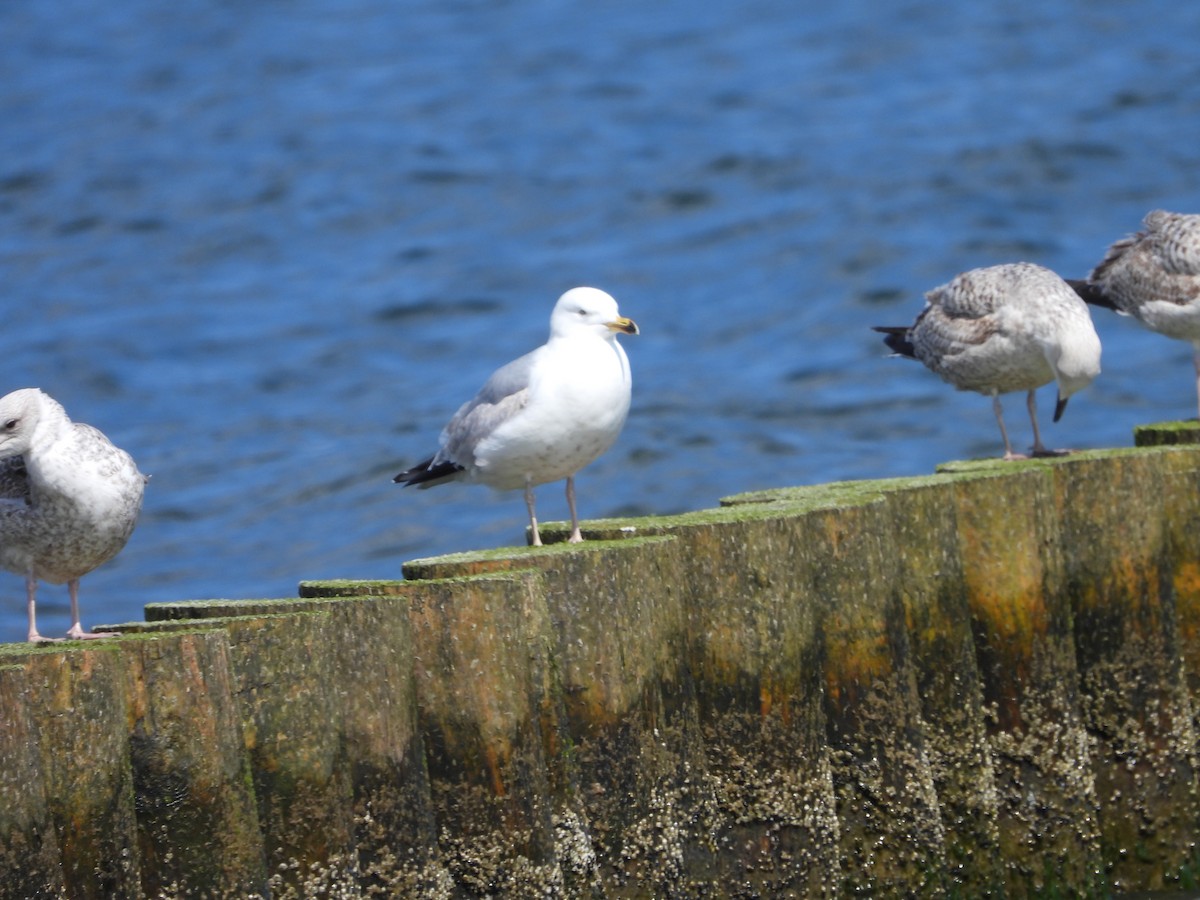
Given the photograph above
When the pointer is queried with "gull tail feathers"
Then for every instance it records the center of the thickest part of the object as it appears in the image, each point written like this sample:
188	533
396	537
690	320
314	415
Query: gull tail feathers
896	338
1091	293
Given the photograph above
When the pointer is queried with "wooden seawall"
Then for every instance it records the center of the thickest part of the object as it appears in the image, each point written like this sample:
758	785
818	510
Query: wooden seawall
983	682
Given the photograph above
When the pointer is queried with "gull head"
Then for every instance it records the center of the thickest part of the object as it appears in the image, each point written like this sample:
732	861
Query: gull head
20	413
584	309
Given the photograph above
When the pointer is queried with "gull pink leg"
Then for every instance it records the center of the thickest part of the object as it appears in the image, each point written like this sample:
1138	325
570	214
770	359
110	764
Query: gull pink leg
76	632
1039	449
536	540
31	600
1008	450
576	537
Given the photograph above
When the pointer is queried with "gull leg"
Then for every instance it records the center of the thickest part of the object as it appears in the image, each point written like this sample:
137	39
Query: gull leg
31	598
76	632
1008	450
575	537
536	538
1039	449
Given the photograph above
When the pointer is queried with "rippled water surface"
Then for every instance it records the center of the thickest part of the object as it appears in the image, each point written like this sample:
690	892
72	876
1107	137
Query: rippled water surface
270	247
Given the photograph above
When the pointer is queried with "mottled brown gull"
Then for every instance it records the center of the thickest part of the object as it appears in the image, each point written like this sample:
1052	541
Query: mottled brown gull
1012	327
1154	276
546	415
69	499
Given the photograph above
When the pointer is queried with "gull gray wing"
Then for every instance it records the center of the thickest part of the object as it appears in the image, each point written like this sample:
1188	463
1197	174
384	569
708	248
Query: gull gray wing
1176	241
503	396
1159	264
959	316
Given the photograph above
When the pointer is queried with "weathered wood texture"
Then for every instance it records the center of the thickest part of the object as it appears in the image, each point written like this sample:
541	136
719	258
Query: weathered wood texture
982	682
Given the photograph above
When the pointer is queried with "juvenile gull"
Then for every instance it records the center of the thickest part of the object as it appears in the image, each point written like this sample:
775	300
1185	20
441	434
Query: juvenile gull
1012	327
1154	276
545	415
69	499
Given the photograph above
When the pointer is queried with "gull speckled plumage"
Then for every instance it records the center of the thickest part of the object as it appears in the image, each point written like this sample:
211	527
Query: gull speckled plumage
69	499
1012	327
1154	276
546	415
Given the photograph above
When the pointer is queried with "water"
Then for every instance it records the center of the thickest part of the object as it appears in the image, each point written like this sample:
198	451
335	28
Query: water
270	247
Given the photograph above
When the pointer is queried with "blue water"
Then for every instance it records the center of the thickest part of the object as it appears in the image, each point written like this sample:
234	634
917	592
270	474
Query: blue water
270	247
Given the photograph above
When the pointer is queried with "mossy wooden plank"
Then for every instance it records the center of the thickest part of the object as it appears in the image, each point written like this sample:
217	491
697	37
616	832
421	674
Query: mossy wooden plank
395	835
77	693
30	862
674	812
630	710
338	777
197	823
1015	581
1178	502
1162	434
928	578
753	624
349	809
890	833
1135	697
351	588
491	721
291	721
483	680
192	610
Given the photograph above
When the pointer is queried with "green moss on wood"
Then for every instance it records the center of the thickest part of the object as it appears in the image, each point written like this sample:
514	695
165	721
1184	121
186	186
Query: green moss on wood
915	685
1167	433
30	859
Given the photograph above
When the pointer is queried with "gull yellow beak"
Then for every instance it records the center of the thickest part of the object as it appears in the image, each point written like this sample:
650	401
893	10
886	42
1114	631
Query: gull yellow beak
628	326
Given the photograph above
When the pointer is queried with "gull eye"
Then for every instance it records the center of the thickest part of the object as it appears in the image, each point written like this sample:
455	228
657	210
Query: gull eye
10	424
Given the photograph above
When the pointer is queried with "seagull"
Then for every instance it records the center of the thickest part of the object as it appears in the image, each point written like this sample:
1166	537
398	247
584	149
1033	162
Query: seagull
543	416
1154	276
1012	327
69	499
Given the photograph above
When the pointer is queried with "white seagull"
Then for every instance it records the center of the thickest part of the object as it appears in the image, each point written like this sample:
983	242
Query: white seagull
1154	276
1012	327
69	499
545	415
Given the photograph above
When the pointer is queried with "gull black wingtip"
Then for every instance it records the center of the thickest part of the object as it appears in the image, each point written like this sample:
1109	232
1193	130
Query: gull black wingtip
426	473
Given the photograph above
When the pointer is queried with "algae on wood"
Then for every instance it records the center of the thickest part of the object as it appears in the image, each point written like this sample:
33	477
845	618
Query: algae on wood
196	818
1015	582
891	836
754	654
483	682
1133	689
973	683
30	862
1162	434
79	698
928	578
